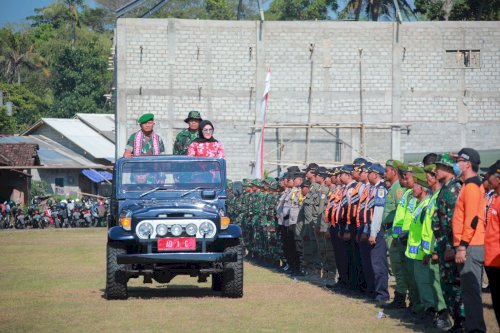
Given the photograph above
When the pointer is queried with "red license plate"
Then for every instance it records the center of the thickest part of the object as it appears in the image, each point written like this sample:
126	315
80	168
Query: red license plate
172	244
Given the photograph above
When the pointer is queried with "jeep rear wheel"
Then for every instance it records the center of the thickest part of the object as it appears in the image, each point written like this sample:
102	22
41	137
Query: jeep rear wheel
116	279
232	277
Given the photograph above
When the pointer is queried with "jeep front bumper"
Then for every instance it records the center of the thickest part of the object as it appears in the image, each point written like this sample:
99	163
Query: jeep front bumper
178	257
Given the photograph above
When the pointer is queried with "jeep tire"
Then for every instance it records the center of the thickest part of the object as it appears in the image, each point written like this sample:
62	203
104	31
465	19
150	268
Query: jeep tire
116	279
232	276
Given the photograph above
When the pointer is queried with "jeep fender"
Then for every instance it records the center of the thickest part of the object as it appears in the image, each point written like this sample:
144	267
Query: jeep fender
232	231
119	234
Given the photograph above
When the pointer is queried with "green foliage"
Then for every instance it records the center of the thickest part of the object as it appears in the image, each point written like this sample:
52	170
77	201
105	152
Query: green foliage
7	124
289	10
27	107
79	81
40	188
459	10
219	10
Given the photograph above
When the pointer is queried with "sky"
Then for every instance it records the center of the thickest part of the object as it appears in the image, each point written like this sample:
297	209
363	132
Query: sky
15	11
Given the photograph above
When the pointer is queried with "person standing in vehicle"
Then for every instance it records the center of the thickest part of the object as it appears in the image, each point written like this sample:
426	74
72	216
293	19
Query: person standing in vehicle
187	135
206	145
144	141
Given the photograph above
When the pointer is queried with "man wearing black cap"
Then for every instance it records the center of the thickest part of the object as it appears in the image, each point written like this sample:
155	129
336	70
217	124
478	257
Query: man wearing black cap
468	237
310	247
188	135
379	247
325	251
144	141
344	262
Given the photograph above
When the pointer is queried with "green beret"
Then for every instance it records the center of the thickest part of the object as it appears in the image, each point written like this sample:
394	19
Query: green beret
421	179
398	165
414	169
431	168
145	118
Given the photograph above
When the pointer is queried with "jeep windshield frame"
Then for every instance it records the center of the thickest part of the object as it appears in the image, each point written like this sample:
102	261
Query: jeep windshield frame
167	174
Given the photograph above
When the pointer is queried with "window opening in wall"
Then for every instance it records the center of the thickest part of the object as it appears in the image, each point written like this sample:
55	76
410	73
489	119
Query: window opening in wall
463	59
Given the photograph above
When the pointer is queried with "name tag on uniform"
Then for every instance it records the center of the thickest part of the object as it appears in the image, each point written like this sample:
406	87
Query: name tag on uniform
425	245
413	249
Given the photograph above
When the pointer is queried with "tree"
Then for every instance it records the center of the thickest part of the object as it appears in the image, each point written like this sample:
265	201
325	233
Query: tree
17	51
219	10
75	21
80	79
27	107
289	10
375	10
459	10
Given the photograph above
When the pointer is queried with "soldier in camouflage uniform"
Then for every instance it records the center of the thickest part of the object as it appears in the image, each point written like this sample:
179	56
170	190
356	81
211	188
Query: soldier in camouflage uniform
188	135
443	251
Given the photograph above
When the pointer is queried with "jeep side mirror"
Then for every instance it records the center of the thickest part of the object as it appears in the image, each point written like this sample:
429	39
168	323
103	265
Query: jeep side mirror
208	195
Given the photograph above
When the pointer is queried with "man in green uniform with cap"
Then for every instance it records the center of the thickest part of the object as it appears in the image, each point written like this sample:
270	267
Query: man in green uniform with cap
392	200
144	141
188	135
443	249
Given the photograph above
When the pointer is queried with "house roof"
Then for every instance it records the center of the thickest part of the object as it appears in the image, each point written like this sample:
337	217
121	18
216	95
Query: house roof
52	154
82	135
103	123
19	154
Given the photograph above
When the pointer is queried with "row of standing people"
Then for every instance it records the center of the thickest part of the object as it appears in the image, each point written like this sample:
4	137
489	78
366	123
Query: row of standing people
339	225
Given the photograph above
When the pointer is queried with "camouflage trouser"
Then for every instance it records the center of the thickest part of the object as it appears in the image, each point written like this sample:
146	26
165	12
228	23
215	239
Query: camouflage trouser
450	284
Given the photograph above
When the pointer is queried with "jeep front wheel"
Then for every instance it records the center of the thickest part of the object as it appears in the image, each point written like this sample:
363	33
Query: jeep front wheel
116	279
232	276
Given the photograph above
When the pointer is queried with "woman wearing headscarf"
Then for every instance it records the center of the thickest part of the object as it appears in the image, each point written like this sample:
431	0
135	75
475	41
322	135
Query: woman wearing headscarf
205	145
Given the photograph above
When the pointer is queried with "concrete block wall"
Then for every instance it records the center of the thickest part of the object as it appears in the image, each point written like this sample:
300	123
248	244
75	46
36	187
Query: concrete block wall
171	66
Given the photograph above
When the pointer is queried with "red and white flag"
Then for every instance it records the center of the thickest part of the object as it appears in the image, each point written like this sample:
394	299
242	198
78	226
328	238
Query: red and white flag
259	132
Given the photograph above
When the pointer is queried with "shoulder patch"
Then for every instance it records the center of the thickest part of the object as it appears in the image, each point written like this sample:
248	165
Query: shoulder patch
380	193
399	193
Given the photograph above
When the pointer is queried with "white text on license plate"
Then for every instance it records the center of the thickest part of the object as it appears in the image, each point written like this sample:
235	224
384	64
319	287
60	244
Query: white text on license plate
181	243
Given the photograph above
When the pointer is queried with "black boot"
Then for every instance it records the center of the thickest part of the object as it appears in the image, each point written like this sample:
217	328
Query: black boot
399	302
458	326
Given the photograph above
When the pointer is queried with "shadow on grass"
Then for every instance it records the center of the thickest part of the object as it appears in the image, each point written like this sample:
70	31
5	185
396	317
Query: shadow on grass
405	317
169	291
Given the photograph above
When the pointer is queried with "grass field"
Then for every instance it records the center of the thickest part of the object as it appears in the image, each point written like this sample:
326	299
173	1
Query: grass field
53	281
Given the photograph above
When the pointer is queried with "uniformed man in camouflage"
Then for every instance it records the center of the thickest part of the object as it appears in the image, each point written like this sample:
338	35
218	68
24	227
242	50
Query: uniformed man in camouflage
310	247
188	135
444	252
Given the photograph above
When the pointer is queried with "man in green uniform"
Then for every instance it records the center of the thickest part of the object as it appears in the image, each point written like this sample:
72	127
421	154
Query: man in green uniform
414	250
443	250
428	242
144	141
392	200
188	135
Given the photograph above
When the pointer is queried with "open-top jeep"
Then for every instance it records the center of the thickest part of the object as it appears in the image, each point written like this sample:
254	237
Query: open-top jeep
168	218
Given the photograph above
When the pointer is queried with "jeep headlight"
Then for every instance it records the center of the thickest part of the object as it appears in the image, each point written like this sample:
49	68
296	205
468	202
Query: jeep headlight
161	230
145	230
191	229
125	220
207	229
176	230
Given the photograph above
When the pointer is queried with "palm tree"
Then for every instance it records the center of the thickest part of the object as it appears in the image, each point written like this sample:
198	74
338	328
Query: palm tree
75	20
17	52
375	9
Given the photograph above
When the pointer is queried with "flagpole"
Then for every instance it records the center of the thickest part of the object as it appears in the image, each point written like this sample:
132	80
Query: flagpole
259	132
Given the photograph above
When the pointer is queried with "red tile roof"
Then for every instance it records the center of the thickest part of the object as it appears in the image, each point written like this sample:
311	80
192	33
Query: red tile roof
19	154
